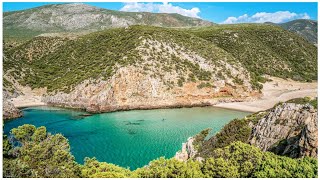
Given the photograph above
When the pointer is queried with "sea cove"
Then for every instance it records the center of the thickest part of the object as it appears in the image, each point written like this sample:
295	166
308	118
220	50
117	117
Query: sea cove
128	138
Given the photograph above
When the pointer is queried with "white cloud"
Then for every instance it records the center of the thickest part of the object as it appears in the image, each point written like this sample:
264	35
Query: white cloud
261	17
160	8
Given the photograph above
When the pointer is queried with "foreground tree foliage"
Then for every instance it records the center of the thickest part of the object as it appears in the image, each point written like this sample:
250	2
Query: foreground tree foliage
38	154
170	168
95	169
32	152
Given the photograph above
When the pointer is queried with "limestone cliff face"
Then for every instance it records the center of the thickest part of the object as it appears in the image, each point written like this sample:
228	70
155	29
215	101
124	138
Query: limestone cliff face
288	129
188	151
9	110
130	88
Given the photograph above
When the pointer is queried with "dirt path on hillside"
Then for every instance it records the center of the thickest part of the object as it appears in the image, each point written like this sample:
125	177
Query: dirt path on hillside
278	90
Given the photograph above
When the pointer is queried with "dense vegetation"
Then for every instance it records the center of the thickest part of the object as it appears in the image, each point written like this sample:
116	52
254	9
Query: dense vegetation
236	130
100	54
35	153
32	152
265	49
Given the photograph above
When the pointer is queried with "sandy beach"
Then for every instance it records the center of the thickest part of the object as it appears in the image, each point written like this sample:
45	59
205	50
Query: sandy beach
30	97
27	101
278	90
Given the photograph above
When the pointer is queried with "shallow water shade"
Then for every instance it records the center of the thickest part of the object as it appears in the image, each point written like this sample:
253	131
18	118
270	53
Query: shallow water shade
128	138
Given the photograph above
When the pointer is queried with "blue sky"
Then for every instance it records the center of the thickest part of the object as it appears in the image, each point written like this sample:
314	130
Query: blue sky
227	12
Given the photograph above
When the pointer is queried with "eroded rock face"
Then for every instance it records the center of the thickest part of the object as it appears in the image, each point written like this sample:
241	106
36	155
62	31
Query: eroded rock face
10	111
130	88
187	152
288	129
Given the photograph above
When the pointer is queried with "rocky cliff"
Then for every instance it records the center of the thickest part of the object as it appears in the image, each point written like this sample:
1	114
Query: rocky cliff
9	110
288	129
157	68
187	151
130	88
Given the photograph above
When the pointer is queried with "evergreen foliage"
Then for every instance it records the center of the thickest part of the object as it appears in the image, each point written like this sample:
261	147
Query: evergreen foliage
265	49
236	130
305	100
34	153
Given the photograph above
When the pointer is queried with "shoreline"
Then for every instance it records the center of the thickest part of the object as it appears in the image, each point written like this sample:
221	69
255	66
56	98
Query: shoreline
273	92
30	105
278	90
137	108
233	106
27	101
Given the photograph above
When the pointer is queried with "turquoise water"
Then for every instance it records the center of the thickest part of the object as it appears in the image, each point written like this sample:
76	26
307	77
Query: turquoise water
129	138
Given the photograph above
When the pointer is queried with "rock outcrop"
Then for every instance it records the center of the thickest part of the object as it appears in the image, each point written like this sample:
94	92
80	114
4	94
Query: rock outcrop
10	111
187	152
288	129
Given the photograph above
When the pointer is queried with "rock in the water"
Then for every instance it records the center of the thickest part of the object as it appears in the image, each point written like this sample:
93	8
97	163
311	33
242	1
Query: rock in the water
289	129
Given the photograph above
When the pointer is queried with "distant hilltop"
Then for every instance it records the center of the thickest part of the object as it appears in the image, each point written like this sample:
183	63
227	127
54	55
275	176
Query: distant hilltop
308	29
75	17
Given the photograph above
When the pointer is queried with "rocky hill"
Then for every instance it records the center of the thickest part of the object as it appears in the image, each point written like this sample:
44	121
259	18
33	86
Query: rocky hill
307	29
77	17
142	67
126	68
288	129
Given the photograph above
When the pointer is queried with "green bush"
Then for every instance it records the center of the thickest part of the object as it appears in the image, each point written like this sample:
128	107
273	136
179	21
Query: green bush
203	85
95	169
170	168
305	100
40	155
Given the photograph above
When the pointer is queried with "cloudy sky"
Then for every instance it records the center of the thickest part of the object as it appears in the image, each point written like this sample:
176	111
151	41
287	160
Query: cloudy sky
227	12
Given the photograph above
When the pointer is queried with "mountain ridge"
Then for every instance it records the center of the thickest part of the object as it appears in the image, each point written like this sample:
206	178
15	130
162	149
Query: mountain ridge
306	28
81	17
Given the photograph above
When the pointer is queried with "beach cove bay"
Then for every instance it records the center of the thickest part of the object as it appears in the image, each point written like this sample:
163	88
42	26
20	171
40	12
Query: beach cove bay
127	138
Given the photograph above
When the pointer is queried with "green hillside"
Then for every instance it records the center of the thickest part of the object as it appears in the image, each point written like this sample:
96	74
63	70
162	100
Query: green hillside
265	49
100	54
306	28
61	63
